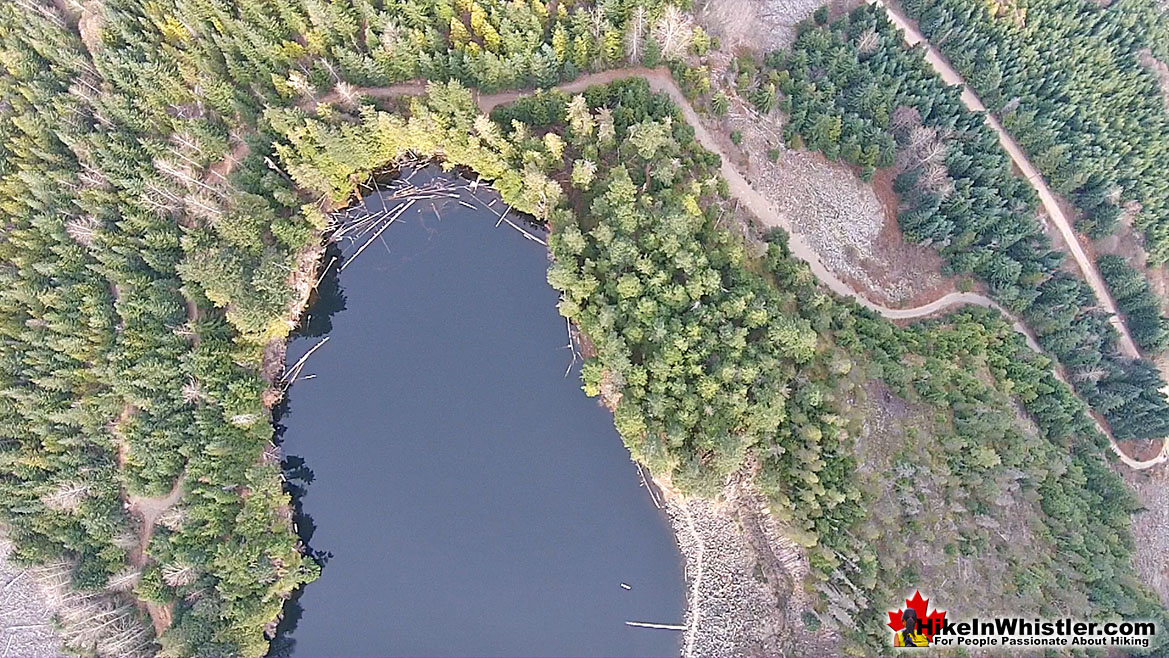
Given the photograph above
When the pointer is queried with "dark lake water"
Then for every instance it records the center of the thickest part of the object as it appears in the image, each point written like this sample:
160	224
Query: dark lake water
474	501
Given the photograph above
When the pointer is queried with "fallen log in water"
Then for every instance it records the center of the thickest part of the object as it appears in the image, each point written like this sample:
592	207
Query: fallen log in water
665	627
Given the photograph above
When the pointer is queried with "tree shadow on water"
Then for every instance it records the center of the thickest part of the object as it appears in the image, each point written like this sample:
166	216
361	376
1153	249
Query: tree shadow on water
326	300
297	478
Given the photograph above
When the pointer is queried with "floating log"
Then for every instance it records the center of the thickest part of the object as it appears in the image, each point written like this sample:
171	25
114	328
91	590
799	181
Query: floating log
397	213
648	487
291	373
664	627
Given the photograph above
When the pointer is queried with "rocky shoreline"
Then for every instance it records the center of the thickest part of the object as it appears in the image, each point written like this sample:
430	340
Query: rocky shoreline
744	579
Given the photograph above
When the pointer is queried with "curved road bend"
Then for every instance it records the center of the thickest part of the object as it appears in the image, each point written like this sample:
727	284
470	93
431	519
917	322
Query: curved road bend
1046	197
660	80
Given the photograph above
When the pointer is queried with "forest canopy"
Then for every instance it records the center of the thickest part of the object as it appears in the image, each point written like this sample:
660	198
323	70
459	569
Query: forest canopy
155	255
855	92
1074	82
712	358
166	170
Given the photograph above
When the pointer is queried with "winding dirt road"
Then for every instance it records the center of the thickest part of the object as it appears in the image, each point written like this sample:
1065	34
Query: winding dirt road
1019	158
1054	211
768	213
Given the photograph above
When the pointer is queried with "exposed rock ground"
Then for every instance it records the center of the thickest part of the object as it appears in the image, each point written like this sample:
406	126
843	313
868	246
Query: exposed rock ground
1151	529
853	232
744	580
25	619
756	24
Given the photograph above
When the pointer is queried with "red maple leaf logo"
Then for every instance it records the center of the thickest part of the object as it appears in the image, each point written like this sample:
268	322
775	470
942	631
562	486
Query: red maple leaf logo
931	622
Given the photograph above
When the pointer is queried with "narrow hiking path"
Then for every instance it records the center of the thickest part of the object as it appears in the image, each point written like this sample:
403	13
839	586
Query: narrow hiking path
766	210
1019	158
148	510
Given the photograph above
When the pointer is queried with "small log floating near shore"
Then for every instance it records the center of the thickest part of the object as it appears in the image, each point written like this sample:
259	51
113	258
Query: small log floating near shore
665	627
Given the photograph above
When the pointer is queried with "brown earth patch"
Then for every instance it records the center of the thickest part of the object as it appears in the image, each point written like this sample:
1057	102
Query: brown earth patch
1150	527
1159	69
1142	449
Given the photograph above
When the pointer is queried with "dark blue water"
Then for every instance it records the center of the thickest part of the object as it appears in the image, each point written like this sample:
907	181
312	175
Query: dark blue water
473	499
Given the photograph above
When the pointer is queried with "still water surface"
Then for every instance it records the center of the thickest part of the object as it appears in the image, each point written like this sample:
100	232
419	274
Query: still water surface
474	501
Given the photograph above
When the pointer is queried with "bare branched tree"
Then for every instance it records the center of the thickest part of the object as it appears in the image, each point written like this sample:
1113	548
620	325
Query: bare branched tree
271	453
83	230
201	205
46	10
172	518
124	581
936	179
67	497
91	176
178	574
635	34
300	83
244	420
597	21
674	32
868	42
187	143
920	136
191	392
606	129
487	129
85	88
391	34
162	199
349	94
97	622
1094	374
905	118
932	153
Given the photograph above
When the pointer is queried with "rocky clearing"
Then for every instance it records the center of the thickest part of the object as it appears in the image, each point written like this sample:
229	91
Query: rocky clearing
851	224
26	627
760	25
854	232
1151	529
744	580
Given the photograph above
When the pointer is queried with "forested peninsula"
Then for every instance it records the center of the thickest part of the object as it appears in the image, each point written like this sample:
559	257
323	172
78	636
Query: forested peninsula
167	174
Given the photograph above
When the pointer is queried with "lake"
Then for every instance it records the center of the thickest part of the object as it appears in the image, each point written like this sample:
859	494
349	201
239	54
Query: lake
471	498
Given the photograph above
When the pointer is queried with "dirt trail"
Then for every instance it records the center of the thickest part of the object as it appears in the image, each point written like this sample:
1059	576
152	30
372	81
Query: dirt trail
765	210
224	167
1046	197
392	91
149	509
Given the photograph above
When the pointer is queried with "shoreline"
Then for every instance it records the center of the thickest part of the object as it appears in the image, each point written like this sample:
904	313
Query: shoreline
659	574
744	579
734	580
